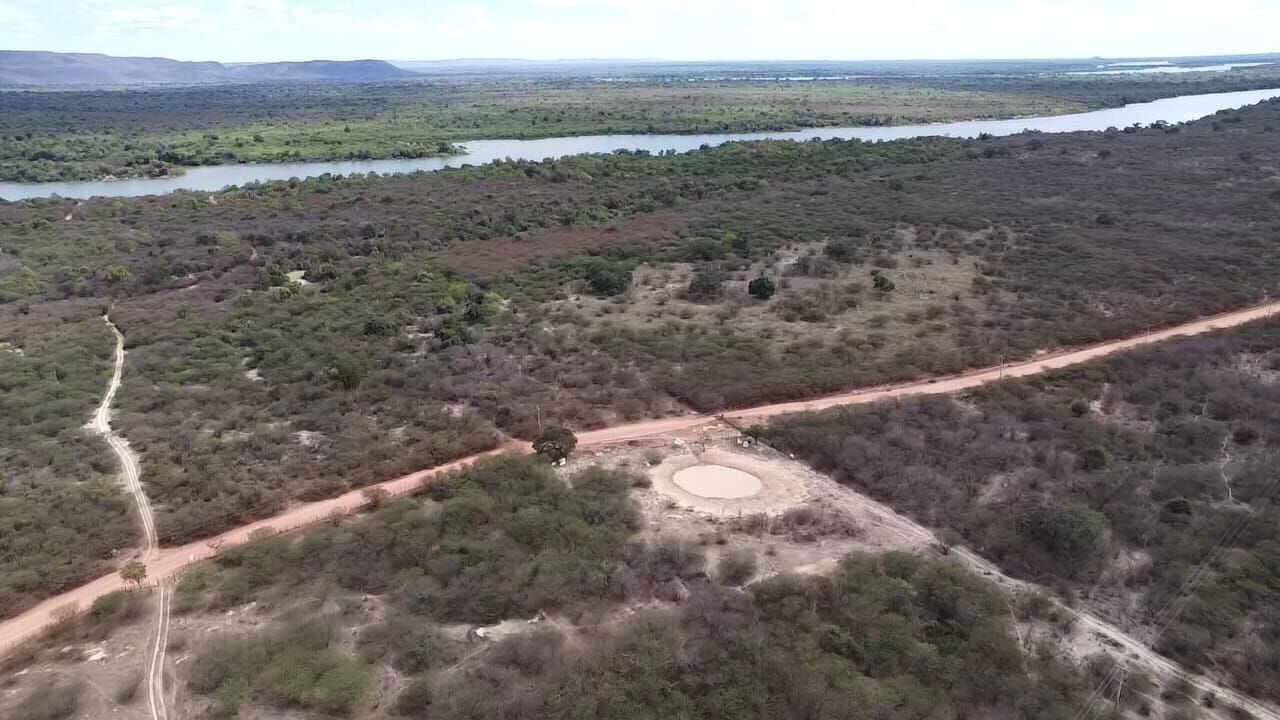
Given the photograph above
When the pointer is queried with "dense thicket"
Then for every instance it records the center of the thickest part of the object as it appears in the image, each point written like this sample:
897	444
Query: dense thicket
1110	481
504	538
295	667
892	637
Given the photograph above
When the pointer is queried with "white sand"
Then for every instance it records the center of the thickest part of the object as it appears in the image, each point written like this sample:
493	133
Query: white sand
717	481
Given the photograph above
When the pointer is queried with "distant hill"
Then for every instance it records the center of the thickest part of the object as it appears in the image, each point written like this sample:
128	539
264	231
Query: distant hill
50	68
334	70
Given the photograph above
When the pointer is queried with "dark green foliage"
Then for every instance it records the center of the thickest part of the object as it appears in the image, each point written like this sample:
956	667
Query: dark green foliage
555	443
350	371
707	283
761	288
297	667
607	278
895	637
1072	533
509	539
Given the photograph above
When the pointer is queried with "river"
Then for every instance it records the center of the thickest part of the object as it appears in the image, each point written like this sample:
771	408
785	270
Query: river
478	152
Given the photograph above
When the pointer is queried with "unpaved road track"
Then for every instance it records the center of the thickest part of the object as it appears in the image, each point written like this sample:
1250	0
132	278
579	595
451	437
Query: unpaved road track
131	471
172	560
155	663
1131	651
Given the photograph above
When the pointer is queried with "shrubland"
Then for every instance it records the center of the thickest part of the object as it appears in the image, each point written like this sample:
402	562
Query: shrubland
61	516
509	539
1111	482
292	340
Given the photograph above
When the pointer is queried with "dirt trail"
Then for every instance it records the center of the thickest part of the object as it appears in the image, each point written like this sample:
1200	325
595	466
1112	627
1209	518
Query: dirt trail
1132	650
130	469
172	560
1129	650
155	664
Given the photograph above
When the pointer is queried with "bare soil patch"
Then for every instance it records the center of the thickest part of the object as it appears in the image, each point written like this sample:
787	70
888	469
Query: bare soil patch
490	258
728	482
717	482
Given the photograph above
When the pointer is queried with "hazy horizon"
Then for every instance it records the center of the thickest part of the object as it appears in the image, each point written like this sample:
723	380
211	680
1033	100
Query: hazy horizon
629	30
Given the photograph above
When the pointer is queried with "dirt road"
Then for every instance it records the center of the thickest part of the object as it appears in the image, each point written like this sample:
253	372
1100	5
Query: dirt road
155	664
172	560
129	467
131	472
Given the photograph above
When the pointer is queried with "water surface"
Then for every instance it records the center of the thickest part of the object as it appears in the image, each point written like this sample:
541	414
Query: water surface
479	152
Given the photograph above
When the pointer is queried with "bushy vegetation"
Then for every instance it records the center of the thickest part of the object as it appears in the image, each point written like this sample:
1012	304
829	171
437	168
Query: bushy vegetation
440	310
51	700
295	667
893	636
61	514
1113	479
504	538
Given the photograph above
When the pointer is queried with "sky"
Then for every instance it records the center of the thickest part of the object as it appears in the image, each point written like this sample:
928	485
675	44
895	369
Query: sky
264	30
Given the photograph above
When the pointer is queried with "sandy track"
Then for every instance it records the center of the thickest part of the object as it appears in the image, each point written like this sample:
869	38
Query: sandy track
172	560
155	664
130	469
1132	651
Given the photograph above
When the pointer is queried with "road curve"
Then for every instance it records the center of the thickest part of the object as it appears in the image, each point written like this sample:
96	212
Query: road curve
172	560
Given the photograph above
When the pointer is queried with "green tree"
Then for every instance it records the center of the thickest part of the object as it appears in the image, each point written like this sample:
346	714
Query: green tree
350	371
1072	533
762	288
135	572
606	278
555	443
883	284
706	283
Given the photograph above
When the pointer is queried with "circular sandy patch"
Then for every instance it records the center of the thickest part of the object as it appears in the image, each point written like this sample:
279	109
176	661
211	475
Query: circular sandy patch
730	481
717	481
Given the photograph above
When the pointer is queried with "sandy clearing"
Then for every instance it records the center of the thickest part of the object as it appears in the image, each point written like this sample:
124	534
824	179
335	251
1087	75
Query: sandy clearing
717	481
723	482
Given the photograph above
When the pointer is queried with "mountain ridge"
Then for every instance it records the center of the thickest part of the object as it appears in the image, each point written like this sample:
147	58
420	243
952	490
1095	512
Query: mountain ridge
34	68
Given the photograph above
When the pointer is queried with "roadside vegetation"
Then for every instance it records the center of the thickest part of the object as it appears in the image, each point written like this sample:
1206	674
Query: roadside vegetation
1111	482
505	538
508	539
78	135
